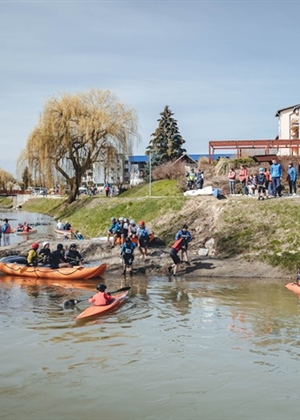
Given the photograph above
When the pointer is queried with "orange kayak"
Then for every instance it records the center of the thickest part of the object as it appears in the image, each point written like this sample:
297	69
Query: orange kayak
93	310
29	232
64	232
73	273
294	288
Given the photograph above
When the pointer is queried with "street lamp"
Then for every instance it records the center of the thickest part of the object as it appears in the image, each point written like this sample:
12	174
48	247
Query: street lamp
150	175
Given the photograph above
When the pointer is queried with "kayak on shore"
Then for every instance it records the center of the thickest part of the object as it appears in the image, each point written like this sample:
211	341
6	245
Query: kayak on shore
19	268
93	311
64	233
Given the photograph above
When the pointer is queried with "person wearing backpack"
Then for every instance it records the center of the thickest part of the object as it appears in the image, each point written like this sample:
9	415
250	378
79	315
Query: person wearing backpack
6	231
143	234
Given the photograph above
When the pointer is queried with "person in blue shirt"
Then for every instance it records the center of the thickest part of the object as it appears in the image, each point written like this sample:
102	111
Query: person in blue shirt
276	175
186	235
292	178
126	254
114	227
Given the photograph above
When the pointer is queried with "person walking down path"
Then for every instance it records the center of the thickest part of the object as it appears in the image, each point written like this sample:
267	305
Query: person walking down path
127	255
199	180
243	177
231	178
292	178
176	247
186	235
6	231
276	175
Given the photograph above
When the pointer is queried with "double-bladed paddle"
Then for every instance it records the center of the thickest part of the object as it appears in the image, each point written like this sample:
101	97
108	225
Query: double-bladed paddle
72	302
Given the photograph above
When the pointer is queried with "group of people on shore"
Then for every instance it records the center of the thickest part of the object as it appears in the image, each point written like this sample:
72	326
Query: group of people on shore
129	235
267	182
57	259
195	180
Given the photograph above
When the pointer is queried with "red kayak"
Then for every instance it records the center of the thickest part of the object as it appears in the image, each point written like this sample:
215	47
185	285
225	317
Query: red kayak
294	288
93	310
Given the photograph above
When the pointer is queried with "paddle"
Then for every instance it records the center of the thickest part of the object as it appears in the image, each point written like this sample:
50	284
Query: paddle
73	302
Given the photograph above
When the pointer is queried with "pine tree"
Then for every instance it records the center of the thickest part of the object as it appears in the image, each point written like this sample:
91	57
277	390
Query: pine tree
166	143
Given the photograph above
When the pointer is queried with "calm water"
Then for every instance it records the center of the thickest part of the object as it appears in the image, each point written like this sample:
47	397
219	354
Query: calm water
185	349
45	225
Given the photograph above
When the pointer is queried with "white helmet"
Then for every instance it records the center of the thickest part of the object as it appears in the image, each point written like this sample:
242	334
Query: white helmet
132	222
45	243
121	219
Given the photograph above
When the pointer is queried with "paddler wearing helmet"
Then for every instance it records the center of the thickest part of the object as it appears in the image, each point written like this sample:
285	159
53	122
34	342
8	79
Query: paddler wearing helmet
33	257
101	298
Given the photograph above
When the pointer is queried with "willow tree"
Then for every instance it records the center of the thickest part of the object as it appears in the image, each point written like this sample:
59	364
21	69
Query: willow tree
75	132
6	180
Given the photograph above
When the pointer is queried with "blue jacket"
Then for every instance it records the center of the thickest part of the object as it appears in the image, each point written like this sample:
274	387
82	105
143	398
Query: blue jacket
186	235
276	170
292	173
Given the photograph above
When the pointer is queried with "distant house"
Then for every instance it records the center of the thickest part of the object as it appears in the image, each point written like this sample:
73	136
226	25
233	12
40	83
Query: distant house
288	127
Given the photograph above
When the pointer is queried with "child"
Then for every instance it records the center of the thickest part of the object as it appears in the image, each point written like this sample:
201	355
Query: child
33	257
185	234
127	254
101	298
261	180
176	247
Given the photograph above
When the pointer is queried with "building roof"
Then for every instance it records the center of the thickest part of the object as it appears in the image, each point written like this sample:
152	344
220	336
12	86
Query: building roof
285	109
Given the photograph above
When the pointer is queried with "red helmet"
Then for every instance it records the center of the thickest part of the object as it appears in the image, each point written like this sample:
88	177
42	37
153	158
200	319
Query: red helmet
141	223
35	245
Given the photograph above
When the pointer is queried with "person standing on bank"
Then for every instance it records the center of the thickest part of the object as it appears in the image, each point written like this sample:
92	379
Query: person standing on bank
276	175
243	177
6	231
292	178
231	179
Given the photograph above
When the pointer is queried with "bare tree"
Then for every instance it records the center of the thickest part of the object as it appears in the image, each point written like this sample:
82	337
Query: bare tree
75	132
6	180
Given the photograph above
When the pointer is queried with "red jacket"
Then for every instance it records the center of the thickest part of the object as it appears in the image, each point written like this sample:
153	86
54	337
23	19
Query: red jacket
101	299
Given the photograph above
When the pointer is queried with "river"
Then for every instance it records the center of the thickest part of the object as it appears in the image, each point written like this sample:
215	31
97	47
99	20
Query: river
44	225
190	348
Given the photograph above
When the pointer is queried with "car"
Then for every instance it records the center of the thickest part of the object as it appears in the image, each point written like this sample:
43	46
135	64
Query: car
82	190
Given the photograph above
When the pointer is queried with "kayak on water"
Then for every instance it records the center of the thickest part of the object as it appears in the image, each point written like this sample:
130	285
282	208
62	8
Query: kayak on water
29	232
93	310
294	288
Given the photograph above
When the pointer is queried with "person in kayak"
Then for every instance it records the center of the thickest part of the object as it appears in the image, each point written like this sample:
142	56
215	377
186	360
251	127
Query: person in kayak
126	254
101	298
73	256
33	258
46	252
57	259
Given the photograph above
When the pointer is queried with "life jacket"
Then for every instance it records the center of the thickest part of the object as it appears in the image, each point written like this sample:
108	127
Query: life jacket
178	244
128	250
261	179
6	228
143	234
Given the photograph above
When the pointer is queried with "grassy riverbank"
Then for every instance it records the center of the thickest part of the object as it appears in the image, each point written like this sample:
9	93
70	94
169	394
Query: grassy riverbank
266	231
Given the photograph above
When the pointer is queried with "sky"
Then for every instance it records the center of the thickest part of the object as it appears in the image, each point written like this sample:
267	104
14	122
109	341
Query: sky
223	67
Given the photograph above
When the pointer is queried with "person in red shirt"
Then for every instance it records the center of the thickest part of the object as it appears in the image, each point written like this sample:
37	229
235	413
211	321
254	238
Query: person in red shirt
243	177
101	298
176	247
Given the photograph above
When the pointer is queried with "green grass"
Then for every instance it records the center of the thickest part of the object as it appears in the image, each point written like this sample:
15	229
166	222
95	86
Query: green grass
6	202
91	215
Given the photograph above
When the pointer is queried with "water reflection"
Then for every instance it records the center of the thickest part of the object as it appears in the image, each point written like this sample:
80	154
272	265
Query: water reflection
175	344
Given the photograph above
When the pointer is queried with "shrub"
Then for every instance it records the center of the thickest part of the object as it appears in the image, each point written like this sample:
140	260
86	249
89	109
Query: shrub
169	170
